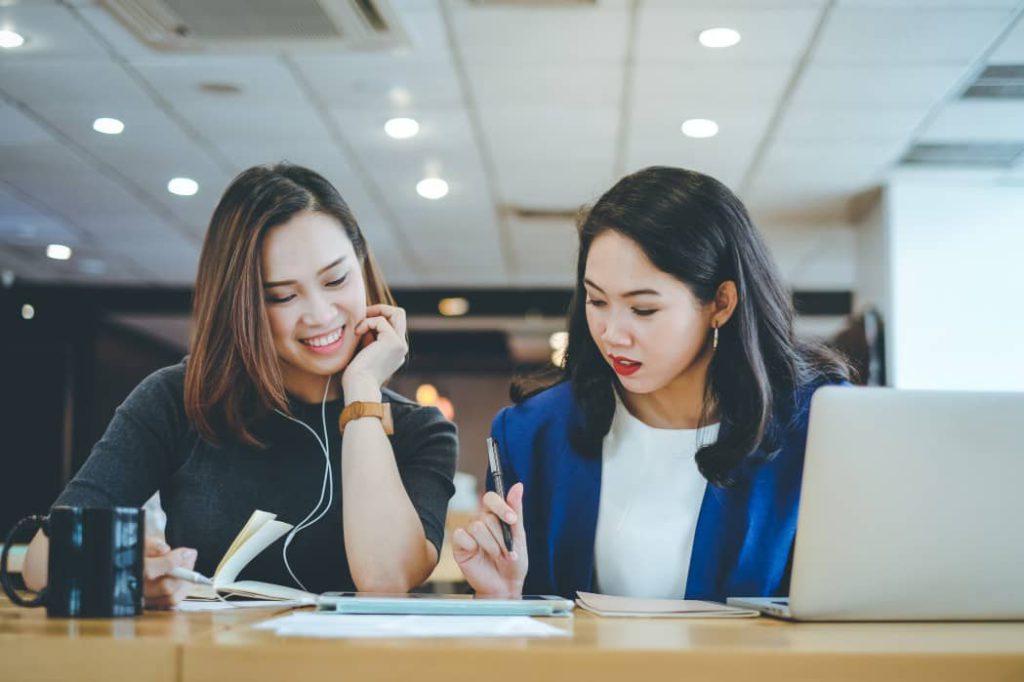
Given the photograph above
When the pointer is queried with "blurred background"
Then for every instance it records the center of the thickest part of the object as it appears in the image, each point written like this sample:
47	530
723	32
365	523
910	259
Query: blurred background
879	145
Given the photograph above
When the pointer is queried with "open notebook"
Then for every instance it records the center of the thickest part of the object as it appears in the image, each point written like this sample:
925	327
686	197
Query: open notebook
259	532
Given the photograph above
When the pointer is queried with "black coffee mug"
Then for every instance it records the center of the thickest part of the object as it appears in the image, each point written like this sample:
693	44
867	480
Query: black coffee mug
95	564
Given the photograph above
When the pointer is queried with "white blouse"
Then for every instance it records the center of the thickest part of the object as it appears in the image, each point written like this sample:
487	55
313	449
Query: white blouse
651	493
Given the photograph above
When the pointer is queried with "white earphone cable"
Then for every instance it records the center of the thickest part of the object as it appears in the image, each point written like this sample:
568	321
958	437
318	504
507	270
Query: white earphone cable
326	487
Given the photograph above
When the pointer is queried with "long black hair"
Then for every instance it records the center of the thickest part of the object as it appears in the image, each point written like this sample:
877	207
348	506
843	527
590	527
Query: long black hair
694	228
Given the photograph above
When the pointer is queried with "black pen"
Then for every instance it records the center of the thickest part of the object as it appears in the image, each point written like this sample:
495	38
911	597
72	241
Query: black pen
499	486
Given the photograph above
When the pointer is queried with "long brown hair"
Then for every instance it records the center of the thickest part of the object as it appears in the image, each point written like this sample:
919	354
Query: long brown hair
233	375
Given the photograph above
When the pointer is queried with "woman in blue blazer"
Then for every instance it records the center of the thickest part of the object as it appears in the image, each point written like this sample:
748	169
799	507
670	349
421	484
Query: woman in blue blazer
664	458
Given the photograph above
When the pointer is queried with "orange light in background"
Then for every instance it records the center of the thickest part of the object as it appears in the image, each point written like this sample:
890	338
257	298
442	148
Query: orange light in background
427	394
453	307
446	407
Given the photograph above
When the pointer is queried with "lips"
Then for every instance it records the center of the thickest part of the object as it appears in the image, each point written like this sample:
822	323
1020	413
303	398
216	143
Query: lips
624	366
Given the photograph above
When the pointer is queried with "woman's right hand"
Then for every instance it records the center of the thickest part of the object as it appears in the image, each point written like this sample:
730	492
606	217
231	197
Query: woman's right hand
161	590
480	551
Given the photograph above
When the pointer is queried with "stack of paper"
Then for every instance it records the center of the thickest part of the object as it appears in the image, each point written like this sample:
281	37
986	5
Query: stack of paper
339	625
607	605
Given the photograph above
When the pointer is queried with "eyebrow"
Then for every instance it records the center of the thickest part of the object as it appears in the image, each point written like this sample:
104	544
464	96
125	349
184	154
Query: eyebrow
271	285
635	292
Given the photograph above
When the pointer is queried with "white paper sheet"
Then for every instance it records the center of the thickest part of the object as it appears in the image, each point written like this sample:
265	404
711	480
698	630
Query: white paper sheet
346	625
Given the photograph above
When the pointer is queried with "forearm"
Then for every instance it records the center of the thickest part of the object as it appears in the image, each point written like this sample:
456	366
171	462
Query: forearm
384	538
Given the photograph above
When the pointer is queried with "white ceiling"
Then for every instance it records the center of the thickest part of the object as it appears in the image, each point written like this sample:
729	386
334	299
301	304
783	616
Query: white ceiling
536	107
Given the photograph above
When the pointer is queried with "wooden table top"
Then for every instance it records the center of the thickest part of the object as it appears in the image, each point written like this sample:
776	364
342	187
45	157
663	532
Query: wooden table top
196	647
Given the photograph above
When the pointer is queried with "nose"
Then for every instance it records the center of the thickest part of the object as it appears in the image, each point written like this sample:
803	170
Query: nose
319	312
616	333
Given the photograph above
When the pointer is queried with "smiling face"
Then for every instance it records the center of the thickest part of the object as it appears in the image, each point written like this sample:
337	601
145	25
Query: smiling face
315	295
647	324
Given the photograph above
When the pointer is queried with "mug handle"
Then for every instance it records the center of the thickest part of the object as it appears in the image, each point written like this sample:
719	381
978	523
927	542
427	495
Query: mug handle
5	578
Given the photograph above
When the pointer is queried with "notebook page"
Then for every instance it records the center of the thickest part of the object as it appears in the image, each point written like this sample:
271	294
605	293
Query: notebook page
235	561
255	522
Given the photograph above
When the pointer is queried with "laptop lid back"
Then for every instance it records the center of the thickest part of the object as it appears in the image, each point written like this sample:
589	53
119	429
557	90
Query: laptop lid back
912	507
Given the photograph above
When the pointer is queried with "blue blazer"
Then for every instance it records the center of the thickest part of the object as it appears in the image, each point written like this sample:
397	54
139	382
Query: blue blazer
744	535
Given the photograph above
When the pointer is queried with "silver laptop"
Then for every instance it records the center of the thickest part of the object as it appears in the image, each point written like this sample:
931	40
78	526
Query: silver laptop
912	508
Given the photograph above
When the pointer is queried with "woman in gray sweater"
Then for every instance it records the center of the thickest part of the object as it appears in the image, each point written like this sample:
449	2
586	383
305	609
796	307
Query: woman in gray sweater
295	335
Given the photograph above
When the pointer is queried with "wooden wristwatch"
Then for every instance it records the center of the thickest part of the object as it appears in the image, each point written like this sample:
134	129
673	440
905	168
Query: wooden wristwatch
358	410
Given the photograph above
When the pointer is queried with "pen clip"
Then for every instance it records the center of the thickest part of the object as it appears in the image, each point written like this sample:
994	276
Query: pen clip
492	456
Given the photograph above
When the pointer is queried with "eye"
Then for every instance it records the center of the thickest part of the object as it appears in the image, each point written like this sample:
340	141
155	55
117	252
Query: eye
596	303
278	300
644	312
338	282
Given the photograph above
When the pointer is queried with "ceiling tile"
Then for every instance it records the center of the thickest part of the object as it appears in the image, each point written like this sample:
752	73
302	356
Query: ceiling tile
50	30
17	128
564	35
851	124
918	35
688	89
769	35
384	83
40	83
869	86
1011	48
556	86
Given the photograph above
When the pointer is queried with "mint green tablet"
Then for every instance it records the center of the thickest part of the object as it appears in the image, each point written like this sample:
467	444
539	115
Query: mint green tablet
441	605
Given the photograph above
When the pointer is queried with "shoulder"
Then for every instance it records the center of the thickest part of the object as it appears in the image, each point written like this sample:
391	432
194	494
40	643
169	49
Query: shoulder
164	387
543	423
552	406
800	406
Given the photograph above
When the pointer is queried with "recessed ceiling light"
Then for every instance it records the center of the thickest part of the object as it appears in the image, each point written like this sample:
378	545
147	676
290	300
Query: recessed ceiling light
58	252
699	127
108	126
401	128
719	37
183	187
27	311
432	188
10	39
453	307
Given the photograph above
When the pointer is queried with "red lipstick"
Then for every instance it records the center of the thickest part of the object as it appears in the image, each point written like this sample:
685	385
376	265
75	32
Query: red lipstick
624	366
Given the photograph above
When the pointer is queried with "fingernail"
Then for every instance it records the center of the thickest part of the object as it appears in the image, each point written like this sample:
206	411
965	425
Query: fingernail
513	556
189	554
510	517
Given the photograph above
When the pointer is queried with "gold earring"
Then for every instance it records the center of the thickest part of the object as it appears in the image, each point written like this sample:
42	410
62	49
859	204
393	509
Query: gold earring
714	340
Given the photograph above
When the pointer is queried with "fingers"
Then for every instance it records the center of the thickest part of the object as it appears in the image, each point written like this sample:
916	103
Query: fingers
497	506
161	590
494	526
484	539
155	546
393	314
515	501
464	547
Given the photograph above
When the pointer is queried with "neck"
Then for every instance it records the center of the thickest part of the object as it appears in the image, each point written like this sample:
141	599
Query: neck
309	388
677	405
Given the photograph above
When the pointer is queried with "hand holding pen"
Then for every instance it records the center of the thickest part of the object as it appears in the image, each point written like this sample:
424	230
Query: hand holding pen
491	550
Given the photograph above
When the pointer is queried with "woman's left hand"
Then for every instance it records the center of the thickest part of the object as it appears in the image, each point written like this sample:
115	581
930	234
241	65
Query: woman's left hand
382	350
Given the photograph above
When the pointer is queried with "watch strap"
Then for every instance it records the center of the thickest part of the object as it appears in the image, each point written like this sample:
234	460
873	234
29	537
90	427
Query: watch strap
360	409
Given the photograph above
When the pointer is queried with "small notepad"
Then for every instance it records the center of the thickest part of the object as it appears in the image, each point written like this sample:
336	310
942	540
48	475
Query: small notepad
259	532
608	605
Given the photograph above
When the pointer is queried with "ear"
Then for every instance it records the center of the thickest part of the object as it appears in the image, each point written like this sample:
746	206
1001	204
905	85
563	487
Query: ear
724	304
